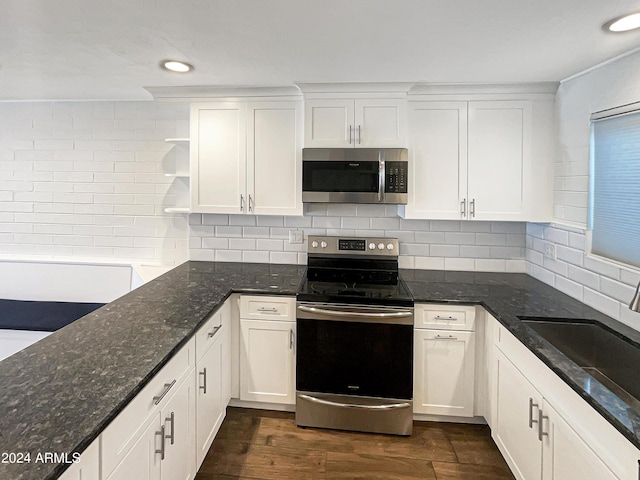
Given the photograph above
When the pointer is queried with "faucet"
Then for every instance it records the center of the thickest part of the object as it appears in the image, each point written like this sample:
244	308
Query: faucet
635	301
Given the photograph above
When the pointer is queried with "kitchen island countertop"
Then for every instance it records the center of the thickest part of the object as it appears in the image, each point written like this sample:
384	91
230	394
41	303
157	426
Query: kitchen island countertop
60	393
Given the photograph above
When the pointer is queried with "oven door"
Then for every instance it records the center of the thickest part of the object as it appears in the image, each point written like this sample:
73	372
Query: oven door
341	181
354	367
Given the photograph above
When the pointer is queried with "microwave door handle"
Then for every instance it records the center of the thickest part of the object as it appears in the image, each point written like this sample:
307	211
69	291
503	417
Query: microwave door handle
381	179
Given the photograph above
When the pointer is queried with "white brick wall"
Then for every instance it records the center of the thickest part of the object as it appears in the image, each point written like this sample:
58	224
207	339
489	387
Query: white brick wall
85	180
450	245
608	86
603	285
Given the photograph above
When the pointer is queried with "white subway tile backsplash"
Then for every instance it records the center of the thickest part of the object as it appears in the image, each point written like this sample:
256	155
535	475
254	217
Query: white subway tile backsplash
327	222
601	302
242	220
459	264
569	287
255	257
359	223
283	257
429	263
444	250
487	265
616	290
429	237
228	256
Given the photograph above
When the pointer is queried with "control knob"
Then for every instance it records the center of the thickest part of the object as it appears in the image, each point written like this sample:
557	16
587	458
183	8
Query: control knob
323	244
314	244
381	246
372	246
389	246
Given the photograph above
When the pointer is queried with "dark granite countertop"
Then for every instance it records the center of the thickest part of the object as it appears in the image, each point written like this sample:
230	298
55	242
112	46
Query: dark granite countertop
60	393
512	296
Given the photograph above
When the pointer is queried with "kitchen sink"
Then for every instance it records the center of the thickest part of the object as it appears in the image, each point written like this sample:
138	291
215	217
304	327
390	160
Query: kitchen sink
608	358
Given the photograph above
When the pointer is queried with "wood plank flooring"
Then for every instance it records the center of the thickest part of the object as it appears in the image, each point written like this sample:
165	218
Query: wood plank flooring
267	445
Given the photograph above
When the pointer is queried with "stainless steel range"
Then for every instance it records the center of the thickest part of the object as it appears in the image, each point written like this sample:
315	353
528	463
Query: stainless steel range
354	363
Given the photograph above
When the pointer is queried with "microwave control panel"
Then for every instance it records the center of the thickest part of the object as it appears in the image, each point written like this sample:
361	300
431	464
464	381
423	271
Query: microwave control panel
396	177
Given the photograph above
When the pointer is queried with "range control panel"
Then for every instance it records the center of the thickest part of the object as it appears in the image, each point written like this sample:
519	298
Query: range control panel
353	246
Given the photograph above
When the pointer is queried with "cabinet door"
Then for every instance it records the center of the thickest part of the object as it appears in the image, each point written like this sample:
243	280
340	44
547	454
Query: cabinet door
566	456
142	462
515	428
380	123
444	368
274	149
218	158
499	146
267	361
329	123
178	417
88	468
210	406
438	169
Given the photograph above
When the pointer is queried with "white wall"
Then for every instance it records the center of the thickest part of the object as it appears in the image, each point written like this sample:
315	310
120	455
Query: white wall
85	180
604	285
424	244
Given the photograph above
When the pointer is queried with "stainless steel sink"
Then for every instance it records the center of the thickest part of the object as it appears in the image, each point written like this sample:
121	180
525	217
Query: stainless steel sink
608	358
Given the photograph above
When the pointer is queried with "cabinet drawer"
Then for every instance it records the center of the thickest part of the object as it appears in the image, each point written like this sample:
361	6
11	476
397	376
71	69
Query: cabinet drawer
445	317
122	434
268	308
205	334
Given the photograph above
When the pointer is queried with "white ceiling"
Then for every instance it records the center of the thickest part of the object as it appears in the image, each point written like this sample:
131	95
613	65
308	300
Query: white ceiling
110	49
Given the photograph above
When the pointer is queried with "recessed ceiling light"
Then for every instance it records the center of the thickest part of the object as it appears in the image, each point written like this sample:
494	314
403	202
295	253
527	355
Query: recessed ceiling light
176	66
624	23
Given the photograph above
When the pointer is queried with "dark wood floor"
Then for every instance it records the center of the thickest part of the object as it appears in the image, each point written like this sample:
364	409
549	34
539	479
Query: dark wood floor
266	445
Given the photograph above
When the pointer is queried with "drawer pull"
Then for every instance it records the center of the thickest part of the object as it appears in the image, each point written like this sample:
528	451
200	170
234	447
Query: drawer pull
167	387
204	377
448	337
449	318
172	421
214	331
268	310
162	437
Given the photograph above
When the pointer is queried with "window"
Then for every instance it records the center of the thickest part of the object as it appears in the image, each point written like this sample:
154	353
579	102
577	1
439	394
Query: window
614	185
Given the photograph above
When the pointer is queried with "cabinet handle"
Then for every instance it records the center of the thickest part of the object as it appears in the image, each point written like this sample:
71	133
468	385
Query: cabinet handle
448	337
350	133
290	338
241	202
167	386
463	207
359	135
531	419
250	203
541	432
162	437
172	421
472	208
214	331
204	377
449	318
268	310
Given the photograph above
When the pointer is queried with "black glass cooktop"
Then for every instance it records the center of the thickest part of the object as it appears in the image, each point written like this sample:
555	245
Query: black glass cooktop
394	294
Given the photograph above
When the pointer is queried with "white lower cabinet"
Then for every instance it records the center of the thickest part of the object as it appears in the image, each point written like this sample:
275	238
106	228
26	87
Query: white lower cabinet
267	349
544	430
87	467
444	360
153	438
514	430
213	366
565	455
444	367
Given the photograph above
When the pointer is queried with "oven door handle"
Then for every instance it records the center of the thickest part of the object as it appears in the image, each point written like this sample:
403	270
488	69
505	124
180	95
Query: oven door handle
391	406
338	313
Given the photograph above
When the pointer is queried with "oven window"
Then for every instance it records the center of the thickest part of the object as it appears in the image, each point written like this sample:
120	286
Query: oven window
340	176
353	358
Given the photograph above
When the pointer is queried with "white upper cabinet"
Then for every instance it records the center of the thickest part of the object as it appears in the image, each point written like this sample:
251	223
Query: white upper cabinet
499	149
438	165
355	123
247	157
218	157
485	159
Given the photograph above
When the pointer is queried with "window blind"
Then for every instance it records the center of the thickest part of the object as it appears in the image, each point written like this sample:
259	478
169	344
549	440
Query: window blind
614	213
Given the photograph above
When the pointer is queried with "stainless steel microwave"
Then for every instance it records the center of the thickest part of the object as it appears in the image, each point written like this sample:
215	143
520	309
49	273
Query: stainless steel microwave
355	175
